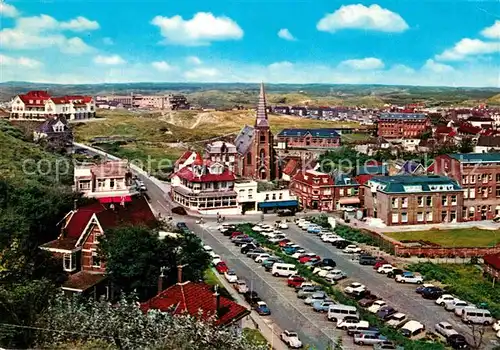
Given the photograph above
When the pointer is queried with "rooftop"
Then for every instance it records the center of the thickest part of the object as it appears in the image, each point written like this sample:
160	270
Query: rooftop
415	184
321	133
476	157
403	116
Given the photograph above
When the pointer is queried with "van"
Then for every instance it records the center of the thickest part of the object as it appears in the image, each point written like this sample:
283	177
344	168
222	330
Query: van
339	312
413	330
367	260
477	316
284	270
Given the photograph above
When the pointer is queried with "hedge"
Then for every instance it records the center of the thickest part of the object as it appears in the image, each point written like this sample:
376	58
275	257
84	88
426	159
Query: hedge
340	297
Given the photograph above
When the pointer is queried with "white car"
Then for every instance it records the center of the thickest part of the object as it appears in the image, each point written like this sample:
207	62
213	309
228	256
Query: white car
327	237
261	257
354	287
351	322
207	248
298	253
445	329
230	276
351	249
409	278
451	306
277	238
241	286
216	259
291	339
325	271
304	225
496	326
336	275
376	306
445	298
397	320
386	268
283	225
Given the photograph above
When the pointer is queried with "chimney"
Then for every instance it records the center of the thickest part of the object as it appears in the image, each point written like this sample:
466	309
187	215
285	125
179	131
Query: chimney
160	281
179	274
217	301
75	204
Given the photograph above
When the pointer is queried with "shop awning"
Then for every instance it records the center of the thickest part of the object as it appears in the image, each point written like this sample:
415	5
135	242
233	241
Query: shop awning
349	200
279	204
118	199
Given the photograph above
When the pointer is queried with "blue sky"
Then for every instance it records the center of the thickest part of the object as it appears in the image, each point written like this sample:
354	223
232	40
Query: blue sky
416	42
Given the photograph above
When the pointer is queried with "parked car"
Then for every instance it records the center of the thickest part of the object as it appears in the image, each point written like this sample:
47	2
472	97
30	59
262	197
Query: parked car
341	244
377	304
285	212
413	330
306	291
314	262
445	298
452	305
335	275
496	326
350	322
385	312
308	256
261	257
367	260
352	249
457	341
394	272
252	254
385	268
295	281
322	305
291	339
262	308
230	276
409	277
445	329
322	271
328	262
397	320
432	293
182	226
216	259
460	310
317	296
248	247
387	345
241	286
368	339
379	263
354	286
276	239
221	267
207	248
367	300
420	289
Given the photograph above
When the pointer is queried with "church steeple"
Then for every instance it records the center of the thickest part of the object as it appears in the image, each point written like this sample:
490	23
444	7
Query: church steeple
261	120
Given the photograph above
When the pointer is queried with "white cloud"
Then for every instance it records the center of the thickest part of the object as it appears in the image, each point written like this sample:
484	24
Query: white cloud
469	47
359	16
193	60
112	60
202	29
107	41
492	32
19	62
284	33
79	24
368	63
40	32
201	74
162	66
280	65
437	67
7	10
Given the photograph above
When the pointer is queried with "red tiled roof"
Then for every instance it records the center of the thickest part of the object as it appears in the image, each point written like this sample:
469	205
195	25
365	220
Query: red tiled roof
468	129
443	129
362	179
183	158
493	260
198	160
187	174
80	218
83	280
196	298
290	167
67	243
59	100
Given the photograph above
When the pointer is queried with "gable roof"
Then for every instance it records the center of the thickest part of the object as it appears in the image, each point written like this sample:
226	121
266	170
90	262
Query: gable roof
187	174
476	157
414	184
488	141
320	133
47	125
244	139
290	167
411	167
183	158
342	179
493	260
198	300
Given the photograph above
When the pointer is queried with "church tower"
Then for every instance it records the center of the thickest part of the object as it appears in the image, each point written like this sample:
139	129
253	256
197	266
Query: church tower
262	147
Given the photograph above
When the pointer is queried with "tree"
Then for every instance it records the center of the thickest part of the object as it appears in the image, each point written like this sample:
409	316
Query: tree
466	145
477	332
135	257
124	326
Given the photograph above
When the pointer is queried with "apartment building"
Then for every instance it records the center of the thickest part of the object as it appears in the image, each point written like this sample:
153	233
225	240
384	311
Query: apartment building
413	200
479	176
402	125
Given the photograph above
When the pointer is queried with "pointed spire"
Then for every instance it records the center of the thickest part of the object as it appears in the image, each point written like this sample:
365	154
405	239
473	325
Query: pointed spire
261	120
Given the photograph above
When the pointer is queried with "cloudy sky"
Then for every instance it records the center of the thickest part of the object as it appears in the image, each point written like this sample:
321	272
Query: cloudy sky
417	42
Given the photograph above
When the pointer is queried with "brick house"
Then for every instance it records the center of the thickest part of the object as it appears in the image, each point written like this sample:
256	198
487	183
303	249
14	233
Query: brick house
345	192
313	189
402	125
77	245
492	265
412	200
308	138
479	176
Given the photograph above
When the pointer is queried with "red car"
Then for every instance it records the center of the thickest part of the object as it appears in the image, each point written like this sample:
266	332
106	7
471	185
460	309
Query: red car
379	263
295	281
305	258
221	267
236	233
283	242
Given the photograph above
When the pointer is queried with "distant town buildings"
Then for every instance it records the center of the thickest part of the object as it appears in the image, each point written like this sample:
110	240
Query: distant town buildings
161	102
308	139
39	106
402	125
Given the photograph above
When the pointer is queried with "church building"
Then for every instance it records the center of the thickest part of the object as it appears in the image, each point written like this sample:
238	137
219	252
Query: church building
256	157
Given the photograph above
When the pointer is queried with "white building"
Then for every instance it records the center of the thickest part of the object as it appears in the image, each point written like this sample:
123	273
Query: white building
39	105
222	152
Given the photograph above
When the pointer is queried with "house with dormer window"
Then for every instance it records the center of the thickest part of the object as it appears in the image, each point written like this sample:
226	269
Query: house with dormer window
77	245
55	131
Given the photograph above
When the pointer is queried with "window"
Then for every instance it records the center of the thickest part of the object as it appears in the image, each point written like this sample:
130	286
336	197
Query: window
267	197
428	216
404	202
395	203
498	177
454	200
472	193
101	183
274	196
420	201
473	179
395	218
464	179
112	183
69	261
498	191
490	177
404	217
420	217
281	195
341	192
249	158
250	193
444	200
428	201
96	260
444	216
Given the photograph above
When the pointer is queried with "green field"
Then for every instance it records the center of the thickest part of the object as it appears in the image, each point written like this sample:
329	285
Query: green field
465	237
